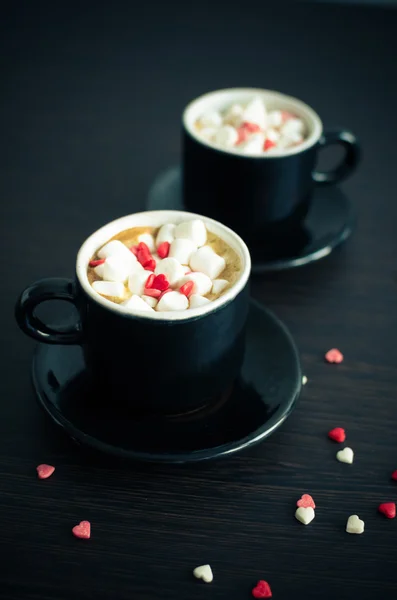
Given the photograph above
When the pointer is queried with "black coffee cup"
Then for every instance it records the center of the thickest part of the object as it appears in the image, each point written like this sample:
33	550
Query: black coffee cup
155	362
264	195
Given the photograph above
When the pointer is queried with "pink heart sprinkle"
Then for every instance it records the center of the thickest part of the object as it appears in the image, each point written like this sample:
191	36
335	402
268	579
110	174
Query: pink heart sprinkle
334	356
306	501
45	471
82	530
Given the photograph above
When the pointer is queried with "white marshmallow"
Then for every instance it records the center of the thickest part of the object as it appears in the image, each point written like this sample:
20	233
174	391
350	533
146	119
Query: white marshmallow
226	136
171	268
202	283
288	141
152	302
254	144
272	135
99	271
194	230
255	112
113	289
172	301
292	126
234	115
147	239
136	303
195	301
116	248
208	133
181	250
116	268
137	282
275	118
165	234
219	285
207	261
211	118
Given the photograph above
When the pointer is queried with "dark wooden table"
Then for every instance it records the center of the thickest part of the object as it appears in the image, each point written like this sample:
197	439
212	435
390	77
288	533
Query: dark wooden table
90	109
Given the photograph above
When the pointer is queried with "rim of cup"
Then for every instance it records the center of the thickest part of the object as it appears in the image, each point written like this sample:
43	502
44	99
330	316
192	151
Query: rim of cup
156	218
222	99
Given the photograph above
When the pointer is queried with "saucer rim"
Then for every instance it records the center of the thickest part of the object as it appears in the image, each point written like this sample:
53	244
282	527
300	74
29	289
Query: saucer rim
195	456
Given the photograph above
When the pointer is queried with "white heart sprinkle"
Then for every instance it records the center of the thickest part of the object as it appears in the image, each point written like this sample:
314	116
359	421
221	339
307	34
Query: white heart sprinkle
345	456
305	515
304	380
204	572
354	525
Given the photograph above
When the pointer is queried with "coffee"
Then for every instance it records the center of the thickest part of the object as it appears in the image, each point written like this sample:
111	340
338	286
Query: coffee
172	267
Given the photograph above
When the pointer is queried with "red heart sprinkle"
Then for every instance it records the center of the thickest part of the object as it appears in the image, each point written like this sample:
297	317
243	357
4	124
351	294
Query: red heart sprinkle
334	356
163	249
134	250
96	263
45	471
242	135
187	288
160	283
149	281
251	127
388	509
262	590
150	265
268	144
306	501
338	434
394	475
82	530
152	293
165	292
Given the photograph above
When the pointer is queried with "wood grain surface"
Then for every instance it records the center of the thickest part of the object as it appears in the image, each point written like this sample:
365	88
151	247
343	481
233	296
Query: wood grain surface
90	113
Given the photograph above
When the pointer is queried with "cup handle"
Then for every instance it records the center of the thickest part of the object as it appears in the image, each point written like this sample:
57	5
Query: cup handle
349	162
54	288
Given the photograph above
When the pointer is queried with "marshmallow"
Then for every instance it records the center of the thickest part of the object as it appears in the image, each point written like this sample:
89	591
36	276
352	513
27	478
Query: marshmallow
171	268
181	250
272	135
195	301
116	248
226	136
194	230
212	118
152	302
165	234
202	283
255	112
275	118
136	303
116	268
254	144
99	270
207	261
208	133
234	115
172	301
137	281
114	289
219	285
147	239
292	127
291	140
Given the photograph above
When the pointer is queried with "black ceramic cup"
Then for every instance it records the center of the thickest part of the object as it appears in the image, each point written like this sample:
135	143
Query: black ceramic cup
155	362
260	197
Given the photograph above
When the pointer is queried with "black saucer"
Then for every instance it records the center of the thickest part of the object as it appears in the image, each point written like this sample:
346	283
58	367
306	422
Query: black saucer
329	222
262	397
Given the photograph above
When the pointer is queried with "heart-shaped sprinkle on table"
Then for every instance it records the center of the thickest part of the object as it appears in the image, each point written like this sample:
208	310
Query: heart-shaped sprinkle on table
45	471
305	515
388	509
262	590
394	475
204	572
306	501
82	530
354	525
337	434
345	456
334	356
